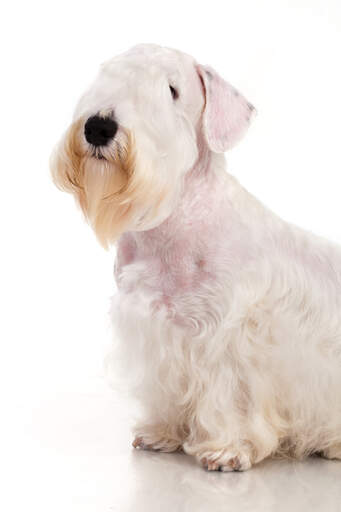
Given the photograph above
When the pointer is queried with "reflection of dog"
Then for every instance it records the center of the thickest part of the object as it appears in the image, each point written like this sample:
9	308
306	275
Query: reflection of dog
230	319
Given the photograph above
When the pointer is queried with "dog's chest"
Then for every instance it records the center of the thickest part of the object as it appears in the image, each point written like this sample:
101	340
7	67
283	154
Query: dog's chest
196	246
181	253
162	264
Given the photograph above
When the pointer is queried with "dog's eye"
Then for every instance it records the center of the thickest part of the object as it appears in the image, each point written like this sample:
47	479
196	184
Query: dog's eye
174	92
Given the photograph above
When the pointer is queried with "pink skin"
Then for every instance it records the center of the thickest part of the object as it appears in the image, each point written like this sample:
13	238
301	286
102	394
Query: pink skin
172	251
191	246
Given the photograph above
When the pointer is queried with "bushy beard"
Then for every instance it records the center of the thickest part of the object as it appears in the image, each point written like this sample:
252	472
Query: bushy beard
116	187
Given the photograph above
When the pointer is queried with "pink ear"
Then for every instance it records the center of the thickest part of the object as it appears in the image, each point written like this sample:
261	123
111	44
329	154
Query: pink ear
227	114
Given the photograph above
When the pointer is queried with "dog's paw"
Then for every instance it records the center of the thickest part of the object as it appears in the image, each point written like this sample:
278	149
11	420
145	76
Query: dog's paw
161	445
225	461
139	444
333	452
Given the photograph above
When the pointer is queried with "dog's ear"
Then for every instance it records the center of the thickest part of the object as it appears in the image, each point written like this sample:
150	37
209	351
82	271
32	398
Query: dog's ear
227	113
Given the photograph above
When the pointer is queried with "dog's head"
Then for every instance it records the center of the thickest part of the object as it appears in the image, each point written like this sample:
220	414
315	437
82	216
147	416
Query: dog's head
134	136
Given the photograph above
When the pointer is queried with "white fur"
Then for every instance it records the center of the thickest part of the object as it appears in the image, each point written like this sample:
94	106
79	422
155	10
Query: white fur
229	319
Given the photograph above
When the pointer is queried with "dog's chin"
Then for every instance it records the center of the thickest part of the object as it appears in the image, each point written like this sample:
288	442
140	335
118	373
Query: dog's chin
99	156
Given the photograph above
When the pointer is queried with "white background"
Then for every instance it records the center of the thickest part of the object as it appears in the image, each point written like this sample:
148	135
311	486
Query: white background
65	436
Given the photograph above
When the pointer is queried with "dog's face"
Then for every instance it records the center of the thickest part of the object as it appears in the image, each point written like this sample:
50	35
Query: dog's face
134	136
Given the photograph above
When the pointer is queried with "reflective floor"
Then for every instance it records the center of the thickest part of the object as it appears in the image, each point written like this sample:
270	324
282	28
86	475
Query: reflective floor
74	454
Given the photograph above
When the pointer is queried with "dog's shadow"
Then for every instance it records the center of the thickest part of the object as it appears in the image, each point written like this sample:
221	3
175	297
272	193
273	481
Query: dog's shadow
175	482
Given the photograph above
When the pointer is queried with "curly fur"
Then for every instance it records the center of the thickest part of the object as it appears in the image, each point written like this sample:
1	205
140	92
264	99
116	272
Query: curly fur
229	319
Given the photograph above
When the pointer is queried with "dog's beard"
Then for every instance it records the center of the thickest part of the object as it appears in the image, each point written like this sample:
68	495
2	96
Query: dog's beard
114	190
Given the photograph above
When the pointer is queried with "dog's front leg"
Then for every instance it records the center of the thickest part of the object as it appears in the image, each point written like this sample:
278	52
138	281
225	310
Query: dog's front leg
157	437
234	444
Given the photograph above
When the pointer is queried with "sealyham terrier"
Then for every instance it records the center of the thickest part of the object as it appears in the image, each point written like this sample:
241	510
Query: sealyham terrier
229	319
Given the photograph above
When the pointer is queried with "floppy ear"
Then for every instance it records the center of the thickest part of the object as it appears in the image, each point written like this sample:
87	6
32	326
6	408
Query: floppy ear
227	113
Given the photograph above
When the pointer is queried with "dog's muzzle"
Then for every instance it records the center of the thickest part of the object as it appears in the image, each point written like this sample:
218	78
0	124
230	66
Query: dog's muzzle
99	131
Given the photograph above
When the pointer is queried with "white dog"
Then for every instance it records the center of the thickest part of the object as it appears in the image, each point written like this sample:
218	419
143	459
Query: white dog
229	318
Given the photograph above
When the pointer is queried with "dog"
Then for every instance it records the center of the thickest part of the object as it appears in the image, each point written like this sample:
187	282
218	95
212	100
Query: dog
229	318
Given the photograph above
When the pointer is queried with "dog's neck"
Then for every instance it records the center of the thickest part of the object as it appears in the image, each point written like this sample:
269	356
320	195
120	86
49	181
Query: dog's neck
199	187
177	247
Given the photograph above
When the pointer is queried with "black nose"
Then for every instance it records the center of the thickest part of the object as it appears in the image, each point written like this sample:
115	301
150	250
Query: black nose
99	131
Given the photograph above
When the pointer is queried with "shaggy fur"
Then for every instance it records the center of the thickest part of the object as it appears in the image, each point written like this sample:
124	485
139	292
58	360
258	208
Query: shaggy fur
229	319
